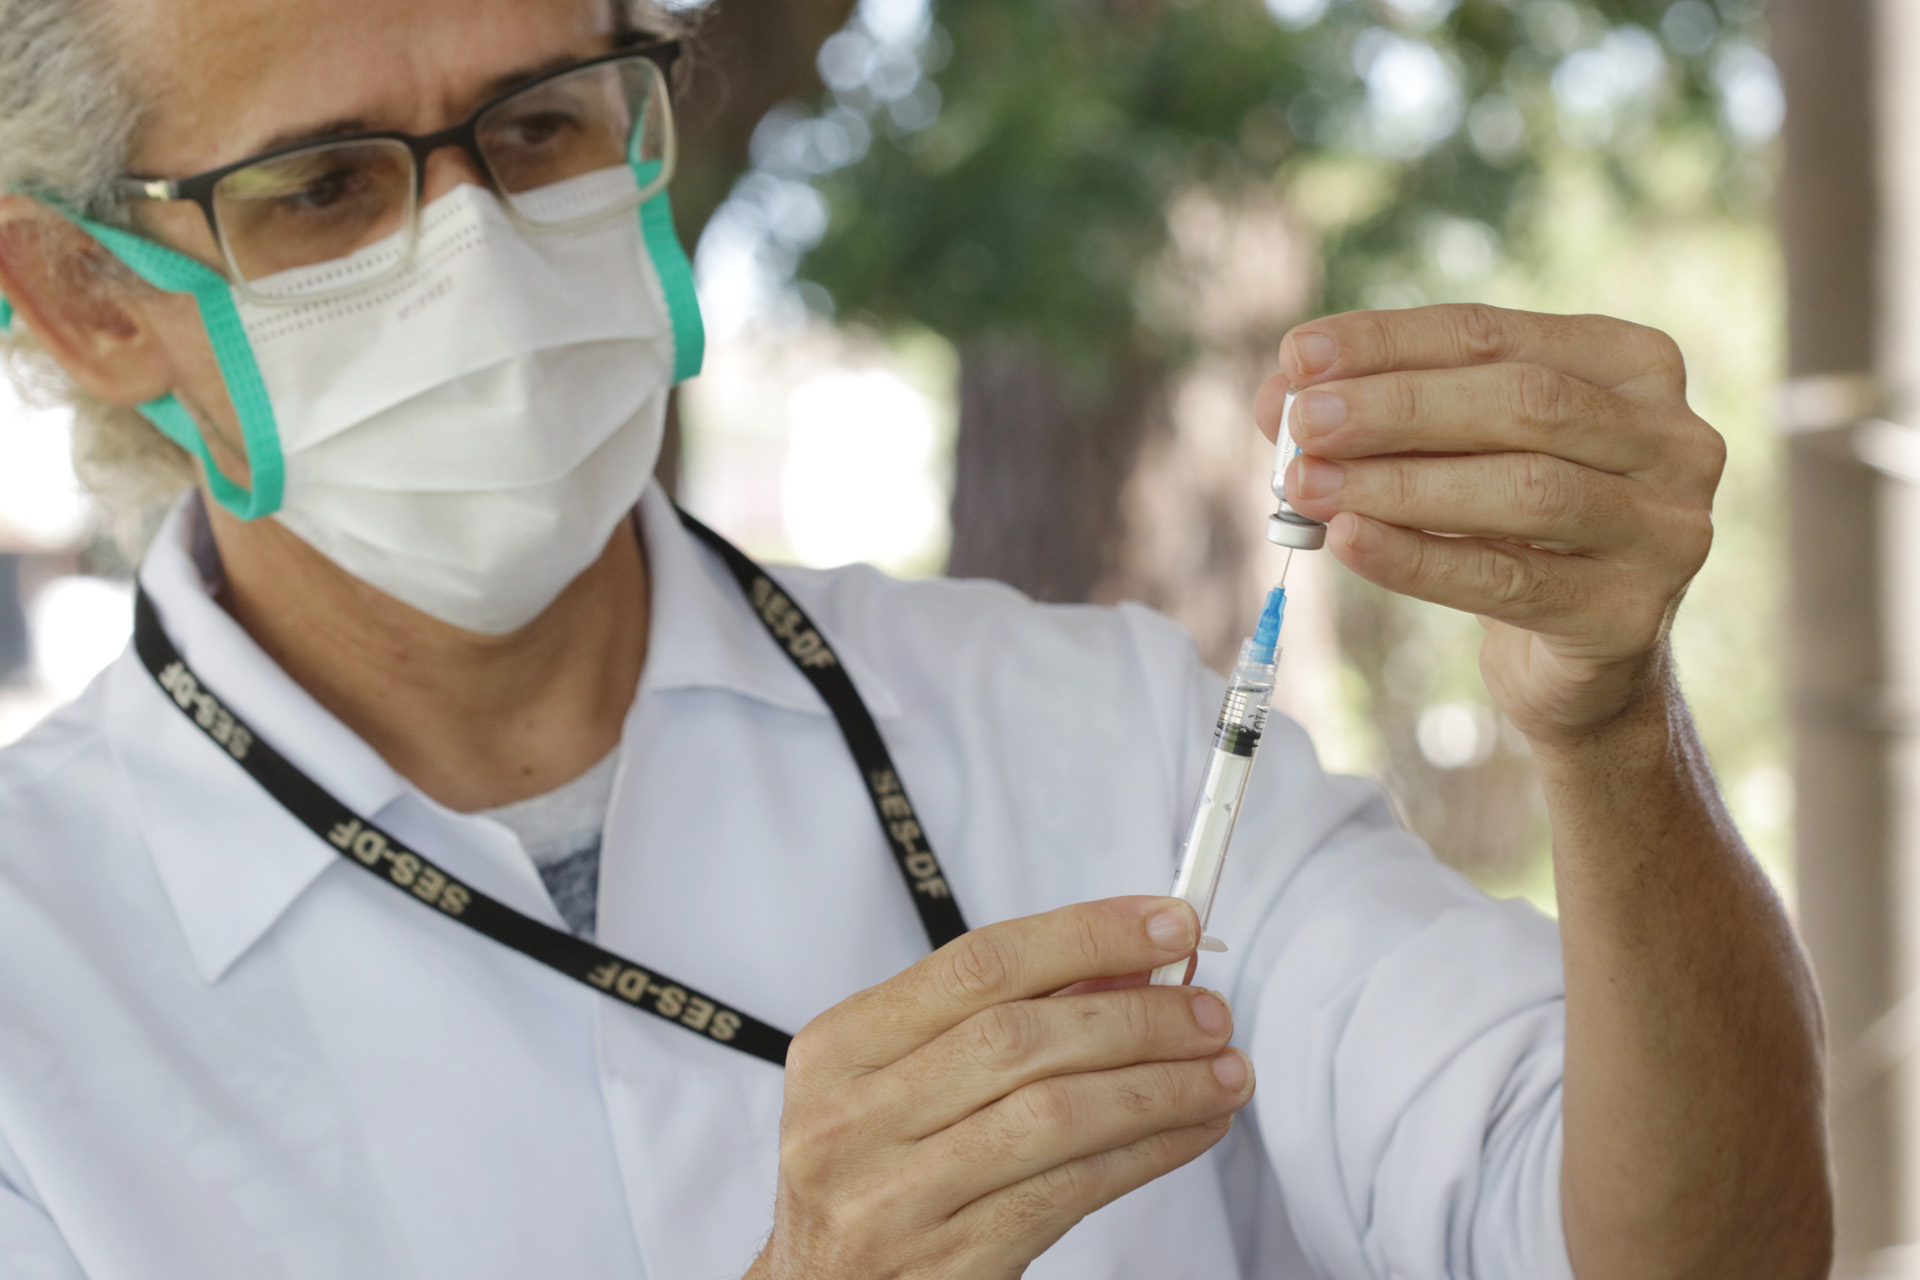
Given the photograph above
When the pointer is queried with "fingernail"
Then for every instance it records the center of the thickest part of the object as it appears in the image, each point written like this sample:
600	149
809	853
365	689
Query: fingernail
1319	478
1319	411
1232	1070
1172	929
1361	535
1313	352
1211	1012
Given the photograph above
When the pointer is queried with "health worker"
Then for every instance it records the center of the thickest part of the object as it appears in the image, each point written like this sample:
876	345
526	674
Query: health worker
476	868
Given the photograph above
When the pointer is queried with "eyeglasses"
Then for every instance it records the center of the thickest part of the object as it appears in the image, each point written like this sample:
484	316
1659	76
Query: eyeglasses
567	150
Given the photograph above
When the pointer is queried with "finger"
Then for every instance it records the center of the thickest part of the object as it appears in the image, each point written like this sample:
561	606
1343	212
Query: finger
1014	960
1015	1224
1064	1118
1483	409
1609	353
1269	402
1539	500
1000	1050
1568	597
1120	983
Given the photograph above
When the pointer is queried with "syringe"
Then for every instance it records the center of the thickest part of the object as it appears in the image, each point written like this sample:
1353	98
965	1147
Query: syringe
1243	718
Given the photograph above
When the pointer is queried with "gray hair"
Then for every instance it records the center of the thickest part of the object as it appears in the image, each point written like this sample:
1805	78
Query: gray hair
68	122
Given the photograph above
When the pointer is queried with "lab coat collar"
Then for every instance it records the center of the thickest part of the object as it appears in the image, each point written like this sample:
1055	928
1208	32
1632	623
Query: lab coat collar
182	575
230	858
705	635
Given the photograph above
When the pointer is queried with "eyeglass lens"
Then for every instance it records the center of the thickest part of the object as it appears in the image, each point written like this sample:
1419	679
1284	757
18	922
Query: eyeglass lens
561	151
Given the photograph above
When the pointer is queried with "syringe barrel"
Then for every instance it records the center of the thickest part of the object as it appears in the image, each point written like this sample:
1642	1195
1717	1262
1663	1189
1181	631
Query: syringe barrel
1236	736
1243	716
1211	831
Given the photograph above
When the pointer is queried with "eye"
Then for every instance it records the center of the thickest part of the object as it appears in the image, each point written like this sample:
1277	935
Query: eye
326	191
538	129
310	187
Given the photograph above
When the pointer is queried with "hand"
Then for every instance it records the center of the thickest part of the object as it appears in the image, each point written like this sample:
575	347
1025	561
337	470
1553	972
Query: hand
1542	472
955	1121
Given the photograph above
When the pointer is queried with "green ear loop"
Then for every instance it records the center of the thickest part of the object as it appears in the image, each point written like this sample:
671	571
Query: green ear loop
172	272
670	263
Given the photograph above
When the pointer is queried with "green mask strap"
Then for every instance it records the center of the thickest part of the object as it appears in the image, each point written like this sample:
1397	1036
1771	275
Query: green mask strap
670	263
172	272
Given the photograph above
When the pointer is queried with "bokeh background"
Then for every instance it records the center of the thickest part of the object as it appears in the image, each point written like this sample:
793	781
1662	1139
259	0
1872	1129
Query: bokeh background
989	286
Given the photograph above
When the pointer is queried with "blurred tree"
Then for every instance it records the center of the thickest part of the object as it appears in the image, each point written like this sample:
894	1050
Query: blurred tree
745	56
1075	192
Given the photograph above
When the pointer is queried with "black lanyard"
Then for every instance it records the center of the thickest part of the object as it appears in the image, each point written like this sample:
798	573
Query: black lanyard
365	845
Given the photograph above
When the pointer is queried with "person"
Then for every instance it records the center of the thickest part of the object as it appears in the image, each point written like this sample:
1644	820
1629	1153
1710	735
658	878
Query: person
433	886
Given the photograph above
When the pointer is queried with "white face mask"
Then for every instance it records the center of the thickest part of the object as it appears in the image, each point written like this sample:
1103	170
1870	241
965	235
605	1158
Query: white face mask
467	435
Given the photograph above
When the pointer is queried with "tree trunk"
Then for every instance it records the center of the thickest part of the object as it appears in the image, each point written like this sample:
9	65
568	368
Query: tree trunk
1039	468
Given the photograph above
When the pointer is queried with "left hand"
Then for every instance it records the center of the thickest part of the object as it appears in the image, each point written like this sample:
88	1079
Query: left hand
1542	472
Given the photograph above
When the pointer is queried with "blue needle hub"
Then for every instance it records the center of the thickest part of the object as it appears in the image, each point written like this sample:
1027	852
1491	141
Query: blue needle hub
1266	636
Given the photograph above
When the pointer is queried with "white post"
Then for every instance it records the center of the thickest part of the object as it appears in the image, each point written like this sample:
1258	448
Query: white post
1852	889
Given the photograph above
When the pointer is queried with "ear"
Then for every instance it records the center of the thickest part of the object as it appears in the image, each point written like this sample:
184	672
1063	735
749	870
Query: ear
89	313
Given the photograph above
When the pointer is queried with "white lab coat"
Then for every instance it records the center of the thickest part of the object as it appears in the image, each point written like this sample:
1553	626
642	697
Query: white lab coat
226	1055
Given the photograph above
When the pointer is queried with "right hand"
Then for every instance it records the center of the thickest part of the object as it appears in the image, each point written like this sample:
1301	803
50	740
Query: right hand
958	1119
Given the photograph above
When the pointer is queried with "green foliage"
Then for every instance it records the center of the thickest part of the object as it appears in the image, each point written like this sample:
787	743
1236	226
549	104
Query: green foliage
1029	202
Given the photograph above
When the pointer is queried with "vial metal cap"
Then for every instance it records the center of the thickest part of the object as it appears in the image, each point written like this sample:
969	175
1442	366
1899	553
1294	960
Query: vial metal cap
1288	528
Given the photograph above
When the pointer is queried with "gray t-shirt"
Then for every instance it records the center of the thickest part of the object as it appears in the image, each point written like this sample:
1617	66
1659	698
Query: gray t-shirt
561	832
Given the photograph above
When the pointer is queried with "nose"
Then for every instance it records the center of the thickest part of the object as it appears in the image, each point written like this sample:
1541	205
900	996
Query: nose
449	167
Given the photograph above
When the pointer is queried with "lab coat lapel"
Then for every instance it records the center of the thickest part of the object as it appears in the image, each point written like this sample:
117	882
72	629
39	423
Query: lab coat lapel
228	856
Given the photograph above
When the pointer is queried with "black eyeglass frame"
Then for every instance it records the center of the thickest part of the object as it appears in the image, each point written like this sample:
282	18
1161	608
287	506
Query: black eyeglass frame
466	135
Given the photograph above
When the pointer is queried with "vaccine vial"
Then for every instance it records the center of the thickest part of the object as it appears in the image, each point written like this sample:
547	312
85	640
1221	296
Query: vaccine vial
1287	527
